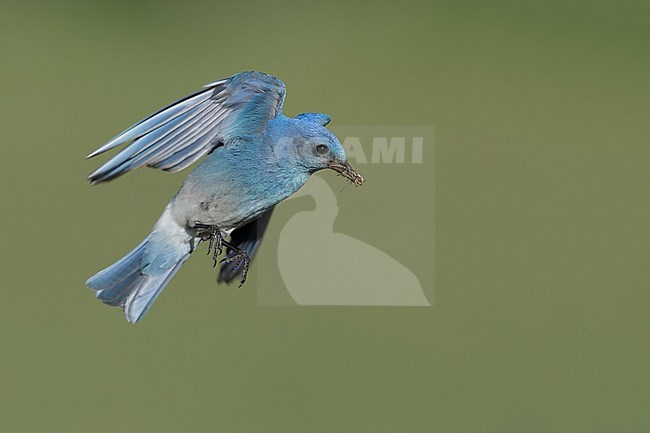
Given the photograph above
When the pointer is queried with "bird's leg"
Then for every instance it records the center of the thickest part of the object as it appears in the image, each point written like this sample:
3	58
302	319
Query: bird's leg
213	234
240	256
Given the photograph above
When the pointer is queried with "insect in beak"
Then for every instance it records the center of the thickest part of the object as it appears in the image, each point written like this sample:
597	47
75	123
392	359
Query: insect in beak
347	172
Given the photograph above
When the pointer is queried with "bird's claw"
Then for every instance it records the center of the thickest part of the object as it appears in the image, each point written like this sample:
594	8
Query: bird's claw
215	246
239	257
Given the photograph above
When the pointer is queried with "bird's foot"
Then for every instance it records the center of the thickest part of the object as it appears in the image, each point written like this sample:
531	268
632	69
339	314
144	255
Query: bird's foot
216	245
216	241
240	256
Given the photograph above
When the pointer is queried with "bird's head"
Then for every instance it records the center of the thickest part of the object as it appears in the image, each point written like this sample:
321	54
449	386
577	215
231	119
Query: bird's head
319	149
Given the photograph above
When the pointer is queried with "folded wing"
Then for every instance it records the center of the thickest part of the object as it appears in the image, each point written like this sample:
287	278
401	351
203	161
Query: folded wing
247	238
179	134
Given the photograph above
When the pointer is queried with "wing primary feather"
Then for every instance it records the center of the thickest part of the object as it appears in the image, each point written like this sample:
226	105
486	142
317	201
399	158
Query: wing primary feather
207	129
126	155
152	143
154	121
202	144
168	140
181	156
112	171
203	126
215	83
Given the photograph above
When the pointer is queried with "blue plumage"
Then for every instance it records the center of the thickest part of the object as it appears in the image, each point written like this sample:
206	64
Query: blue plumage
256	157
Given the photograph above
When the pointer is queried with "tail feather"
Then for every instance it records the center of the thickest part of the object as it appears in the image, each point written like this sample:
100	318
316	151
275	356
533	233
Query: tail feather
117	294
143	296
135	281
113	284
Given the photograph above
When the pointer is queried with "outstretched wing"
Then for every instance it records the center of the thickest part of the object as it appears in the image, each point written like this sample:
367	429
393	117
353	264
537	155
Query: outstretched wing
179	134
247	238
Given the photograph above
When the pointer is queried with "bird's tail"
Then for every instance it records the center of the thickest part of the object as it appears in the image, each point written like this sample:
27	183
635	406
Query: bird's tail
135	281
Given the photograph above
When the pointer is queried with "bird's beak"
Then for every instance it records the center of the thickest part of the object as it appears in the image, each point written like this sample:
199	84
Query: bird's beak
347	172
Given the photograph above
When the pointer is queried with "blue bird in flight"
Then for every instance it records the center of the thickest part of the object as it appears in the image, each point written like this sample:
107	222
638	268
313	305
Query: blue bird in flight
256	157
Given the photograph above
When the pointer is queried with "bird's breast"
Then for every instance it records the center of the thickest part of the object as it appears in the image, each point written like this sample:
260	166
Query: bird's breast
230	197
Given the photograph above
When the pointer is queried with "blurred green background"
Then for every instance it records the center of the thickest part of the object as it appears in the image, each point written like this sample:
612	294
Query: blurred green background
540	321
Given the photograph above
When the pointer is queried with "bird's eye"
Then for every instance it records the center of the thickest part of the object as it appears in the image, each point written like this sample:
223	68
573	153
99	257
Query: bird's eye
322	149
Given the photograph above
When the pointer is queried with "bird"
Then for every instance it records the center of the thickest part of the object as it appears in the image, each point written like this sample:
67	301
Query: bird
254	157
